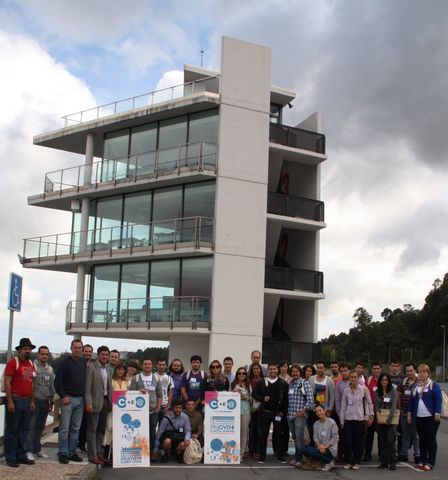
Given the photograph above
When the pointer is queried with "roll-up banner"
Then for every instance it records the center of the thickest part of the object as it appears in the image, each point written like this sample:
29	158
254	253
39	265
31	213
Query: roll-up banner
222	428
130	416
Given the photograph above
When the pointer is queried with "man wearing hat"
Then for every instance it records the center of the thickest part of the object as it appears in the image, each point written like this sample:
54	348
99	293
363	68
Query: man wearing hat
19	388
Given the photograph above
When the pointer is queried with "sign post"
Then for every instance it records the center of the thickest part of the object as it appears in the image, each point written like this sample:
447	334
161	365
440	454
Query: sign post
222	428
14	305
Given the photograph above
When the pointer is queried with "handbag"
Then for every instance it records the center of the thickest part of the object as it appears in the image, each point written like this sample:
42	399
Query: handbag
383	415
193	453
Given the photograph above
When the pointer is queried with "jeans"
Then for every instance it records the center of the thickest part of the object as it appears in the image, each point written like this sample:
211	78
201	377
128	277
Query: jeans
408	432
427	434
17	426
386	436
354	436
313	452
96	427
69	425
37	424
297	428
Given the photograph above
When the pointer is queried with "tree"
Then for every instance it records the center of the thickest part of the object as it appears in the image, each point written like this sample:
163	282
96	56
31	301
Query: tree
362	317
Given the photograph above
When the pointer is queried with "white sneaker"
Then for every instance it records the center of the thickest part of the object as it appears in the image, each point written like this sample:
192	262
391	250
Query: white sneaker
42	455
328	466
30	456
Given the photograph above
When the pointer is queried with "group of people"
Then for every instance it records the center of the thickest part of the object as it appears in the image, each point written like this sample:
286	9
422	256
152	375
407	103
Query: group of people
329	417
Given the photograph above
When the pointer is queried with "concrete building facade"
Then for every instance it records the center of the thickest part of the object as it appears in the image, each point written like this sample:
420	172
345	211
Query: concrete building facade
195	216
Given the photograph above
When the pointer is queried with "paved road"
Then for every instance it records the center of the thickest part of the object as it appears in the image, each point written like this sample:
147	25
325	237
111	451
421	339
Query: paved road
273	471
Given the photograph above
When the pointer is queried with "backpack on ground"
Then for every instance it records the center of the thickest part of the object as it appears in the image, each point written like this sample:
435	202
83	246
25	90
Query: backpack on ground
193	453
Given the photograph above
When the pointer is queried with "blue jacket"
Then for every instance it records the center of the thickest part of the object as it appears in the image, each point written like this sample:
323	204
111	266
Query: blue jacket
432	398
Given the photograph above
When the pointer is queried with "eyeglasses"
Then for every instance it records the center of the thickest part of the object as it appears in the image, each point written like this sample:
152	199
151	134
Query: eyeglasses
215	366
241	373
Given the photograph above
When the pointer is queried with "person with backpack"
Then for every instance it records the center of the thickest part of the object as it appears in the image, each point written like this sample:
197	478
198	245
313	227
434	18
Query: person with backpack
19	381
425	407
174	433
146	382
44	397
356	411
193	383
300	401
272	391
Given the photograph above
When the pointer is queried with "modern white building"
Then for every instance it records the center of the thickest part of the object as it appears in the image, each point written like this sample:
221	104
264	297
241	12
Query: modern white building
195	215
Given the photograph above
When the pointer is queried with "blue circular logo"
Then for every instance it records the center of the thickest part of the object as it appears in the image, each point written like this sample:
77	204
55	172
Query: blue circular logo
121	402
140	402
216	445
231	404
214	404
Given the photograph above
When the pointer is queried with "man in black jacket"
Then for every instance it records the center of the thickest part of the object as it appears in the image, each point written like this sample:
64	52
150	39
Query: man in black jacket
272	391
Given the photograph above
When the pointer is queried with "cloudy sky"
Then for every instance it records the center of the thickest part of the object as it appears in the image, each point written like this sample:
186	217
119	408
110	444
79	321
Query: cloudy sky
376	70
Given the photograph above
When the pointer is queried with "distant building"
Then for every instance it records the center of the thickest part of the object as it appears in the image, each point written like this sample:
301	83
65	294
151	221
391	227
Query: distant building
195	215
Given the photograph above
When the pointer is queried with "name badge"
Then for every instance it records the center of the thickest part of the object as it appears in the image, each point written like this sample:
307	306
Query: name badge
350	402
278	418
151	388
407	392
291	391
181	430
386	399
47	378
323	433
426	390
375	389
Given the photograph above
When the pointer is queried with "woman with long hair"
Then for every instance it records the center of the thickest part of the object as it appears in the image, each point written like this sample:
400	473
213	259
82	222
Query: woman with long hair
255	374
425	407
242	386
385	401
216	380
308	371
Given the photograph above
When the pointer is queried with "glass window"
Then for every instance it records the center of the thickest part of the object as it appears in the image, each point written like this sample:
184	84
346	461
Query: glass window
204	127
167	206
199	200
136	219
105	293
143	146
196	282
172	134
108	223
116	145
164	285
134	282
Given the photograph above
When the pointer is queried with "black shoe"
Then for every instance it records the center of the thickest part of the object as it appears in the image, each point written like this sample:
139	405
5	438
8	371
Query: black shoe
63	459
75	458
82	447
402	458
367	458
27	462
417	460
392	467
382	465
56	429
281	459
12	464
164	458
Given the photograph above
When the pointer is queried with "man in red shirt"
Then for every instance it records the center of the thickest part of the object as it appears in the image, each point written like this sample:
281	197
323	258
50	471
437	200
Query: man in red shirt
19	389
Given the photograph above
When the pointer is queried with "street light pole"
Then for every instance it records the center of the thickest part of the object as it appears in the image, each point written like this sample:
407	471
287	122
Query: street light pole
444	355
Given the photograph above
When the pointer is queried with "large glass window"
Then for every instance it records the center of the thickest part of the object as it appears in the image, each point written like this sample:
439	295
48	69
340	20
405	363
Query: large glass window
196	282
116	145
108	223
199	201
167	207
204	127
105	293
164	285
136	219
172	134
134	283
143	146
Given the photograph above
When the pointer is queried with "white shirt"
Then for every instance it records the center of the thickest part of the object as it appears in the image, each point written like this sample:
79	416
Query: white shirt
105	376
422	411
148	382
167	383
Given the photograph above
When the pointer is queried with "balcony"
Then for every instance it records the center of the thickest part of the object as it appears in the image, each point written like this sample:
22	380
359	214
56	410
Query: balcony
280	278
166	312
195	158
180	235
297	138
293	206
208	84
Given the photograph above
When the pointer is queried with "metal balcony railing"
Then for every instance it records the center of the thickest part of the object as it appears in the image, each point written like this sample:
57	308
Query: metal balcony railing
128	312
208	84
193	232
200	156
294	279
297	138
293	206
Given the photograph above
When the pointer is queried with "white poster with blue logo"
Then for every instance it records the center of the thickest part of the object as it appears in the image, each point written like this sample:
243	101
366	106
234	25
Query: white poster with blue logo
130	425
222	428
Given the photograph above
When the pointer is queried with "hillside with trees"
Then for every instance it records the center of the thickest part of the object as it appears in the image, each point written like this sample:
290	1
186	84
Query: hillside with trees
408	333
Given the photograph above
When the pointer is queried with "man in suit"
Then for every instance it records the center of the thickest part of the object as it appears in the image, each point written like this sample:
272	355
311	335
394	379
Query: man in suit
98	399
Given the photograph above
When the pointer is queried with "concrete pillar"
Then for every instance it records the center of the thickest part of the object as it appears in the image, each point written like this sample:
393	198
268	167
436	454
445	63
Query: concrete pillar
80	288
241	199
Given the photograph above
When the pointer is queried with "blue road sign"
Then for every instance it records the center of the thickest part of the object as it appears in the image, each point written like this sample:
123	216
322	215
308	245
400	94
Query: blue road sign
15	292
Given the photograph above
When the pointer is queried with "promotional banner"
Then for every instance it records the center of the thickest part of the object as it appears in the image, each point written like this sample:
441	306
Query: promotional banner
130	415
222	428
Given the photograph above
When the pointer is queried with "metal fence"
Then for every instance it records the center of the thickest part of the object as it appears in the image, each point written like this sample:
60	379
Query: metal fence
294	206
294	279
297	138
